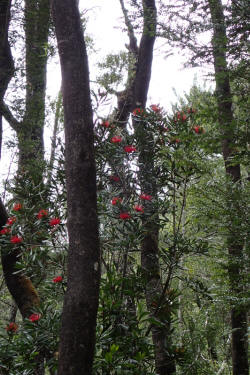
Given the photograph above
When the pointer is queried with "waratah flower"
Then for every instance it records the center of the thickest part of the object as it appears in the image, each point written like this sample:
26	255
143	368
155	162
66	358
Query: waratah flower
16	239
146	197
5	231
155	108
34	317
138	208
114	178
105	124
17	207
125	215
116	200
116	139
175	140
57	279
12	327
198	129
11	220
42	213
54	221
129	149
181	116
138	111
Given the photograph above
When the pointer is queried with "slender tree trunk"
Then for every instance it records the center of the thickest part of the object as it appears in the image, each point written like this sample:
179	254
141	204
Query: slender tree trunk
235	243
150	251
30	134
77	340
135	95
19	285
6	61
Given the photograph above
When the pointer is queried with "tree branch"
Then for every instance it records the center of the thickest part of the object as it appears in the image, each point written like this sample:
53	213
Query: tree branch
7	114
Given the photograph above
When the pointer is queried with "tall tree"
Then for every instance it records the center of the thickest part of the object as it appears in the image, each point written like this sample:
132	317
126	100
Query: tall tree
235	242
6	60
81	300
135	95
29	132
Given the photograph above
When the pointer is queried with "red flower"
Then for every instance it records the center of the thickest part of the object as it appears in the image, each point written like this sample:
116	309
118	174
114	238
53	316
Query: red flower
146	197
129	149
155	108
139	208
11	220
16	239
17	207
175	140
34	317
42	213
105	124
114	178
125	215
57	279
138	111
198	129
116	139
12	327
116	200
54	221
181	116
5	231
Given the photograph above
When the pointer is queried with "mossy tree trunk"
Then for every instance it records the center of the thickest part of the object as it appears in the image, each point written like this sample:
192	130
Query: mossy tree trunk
234	241
30	135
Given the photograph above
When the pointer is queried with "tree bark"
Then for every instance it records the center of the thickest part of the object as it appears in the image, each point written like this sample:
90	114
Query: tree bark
6	60
19	285
235	243
77	339
135	95
30	133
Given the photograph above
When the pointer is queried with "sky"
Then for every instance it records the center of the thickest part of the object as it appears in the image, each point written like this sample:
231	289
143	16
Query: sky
104	25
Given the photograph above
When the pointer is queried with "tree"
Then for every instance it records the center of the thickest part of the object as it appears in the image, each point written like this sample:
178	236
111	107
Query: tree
30	136
6	60
132	97
77	342
235	241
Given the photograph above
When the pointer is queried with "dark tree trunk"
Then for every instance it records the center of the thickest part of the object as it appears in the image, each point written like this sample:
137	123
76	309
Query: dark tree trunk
29	131
19	285
235	243
135	95
77	340
6	61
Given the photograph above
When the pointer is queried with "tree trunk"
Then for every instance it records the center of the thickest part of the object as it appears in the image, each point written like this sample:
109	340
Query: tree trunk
6	60
30	134
77	339
19	285
135	95
235	243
